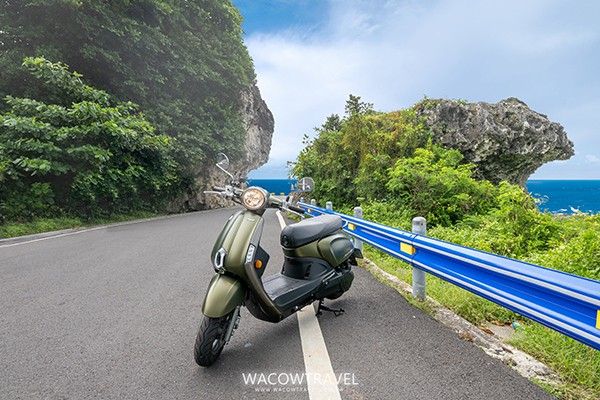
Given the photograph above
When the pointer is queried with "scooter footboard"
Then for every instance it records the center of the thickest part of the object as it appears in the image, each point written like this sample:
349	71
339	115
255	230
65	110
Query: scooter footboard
223	295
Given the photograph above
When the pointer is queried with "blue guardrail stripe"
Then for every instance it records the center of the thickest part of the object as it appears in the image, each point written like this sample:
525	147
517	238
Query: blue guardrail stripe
567	303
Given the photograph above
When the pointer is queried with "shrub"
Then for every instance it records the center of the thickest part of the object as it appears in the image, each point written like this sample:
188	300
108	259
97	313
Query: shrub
85	153
350	156
434	183
183	62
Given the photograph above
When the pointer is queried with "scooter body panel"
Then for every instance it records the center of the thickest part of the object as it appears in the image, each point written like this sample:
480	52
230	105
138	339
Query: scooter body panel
224	294
231	255
335	249
309	250
321	264
234	240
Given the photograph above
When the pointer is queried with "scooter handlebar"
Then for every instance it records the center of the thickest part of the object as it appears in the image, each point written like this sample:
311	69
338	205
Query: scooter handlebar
299	210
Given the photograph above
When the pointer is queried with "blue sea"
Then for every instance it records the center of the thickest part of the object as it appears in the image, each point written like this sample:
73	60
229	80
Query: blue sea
566	196
556	196
277	186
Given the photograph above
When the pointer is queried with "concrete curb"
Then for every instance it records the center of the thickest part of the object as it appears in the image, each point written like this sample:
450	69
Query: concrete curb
523	363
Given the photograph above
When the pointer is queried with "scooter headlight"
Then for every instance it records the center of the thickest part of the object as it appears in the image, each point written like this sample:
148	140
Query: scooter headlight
254	198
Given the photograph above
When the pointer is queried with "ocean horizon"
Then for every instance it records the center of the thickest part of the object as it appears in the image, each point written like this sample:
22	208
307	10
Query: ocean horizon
559	196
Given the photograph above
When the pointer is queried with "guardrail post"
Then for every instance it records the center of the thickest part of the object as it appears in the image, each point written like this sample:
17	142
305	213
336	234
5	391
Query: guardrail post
358	213
329	206
419	226
313	202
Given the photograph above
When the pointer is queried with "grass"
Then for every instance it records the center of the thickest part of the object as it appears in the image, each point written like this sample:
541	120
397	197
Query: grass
577	364
40	225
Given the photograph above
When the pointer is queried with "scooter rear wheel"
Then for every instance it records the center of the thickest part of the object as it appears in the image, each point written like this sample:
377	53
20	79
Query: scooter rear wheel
210	339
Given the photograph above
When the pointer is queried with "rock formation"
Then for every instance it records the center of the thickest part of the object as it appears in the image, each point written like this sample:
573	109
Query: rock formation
259	125
507	140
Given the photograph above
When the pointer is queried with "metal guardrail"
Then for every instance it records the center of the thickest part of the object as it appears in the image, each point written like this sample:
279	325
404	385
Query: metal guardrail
566	303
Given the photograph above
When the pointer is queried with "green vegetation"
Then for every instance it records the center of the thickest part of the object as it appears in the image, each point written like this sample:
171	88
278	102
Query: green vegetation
83	154
183	62
74	145
387	163
40	225
578	365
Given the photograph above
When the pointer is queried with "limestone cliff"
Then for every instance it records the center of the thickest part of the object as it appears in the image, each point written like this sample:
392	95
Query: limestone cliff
506	140
259	124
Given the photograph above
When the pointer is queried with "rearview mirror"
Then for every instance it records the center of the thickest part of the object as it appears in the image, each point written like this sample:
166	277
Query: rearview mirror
223	164
222	161
306	184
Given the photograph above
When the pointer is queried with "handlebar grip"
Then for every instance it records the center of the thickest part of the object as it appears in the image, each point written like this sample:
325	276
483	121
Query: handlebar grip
296	209
218	188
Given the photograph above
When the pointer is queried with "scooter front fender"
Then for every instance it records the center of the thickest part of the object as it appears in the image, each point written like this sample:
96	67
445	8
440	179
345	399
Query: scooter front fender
223	295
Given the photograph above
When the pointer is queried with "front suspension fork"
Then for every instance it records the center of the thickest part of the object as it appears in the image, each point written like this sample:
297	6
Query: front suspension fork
234	322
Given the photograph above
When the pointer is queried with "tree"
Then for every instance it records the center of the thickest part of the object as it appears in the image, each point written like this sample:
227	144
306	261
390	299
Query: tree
85	153
354	106
332	123
183	62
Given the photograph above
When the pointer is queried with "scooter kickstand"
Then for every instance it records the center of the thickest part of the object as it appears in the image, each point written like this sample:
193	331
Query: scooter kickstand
336	311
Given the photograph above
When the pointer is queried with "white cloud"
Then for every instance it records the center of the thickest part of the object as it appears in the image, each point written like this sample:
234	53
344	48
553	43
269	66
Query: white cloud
592	159
392	53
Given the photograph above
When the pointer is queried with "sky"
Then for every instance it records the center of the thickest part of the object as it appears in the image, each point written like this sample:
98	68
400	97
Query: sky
310	55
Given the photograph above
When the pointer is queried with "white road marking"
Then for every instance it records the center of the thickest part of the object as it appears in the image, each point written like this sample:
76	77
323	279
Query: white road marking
321	380
281	220
53	237
95	228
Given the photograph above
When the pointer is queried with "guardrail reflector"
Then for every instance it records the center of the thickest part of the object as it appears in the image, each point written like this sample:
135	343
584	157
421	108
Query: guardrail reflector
407	248
598	319
351	227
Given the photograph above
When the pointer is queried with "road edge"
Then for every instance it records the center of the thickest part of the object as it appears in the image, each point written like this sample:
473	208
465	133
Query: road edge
36	237
523	363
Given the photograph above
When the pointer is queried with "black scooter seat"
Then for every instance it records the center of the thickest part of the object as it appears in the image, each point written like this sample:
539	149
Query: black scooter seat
309	230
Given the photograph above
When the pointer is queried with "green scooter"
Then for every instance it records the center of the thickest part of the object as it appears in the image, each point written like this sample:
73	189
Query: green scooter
318	261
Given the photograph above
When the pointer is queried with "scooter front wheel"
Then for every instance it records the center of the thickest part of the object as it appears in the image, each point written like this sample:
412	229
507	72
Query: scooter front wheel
210	339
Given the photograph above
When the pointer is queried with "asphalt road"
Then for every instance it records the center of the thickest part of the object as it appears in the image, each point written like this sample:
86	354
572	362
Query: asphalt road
112	313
